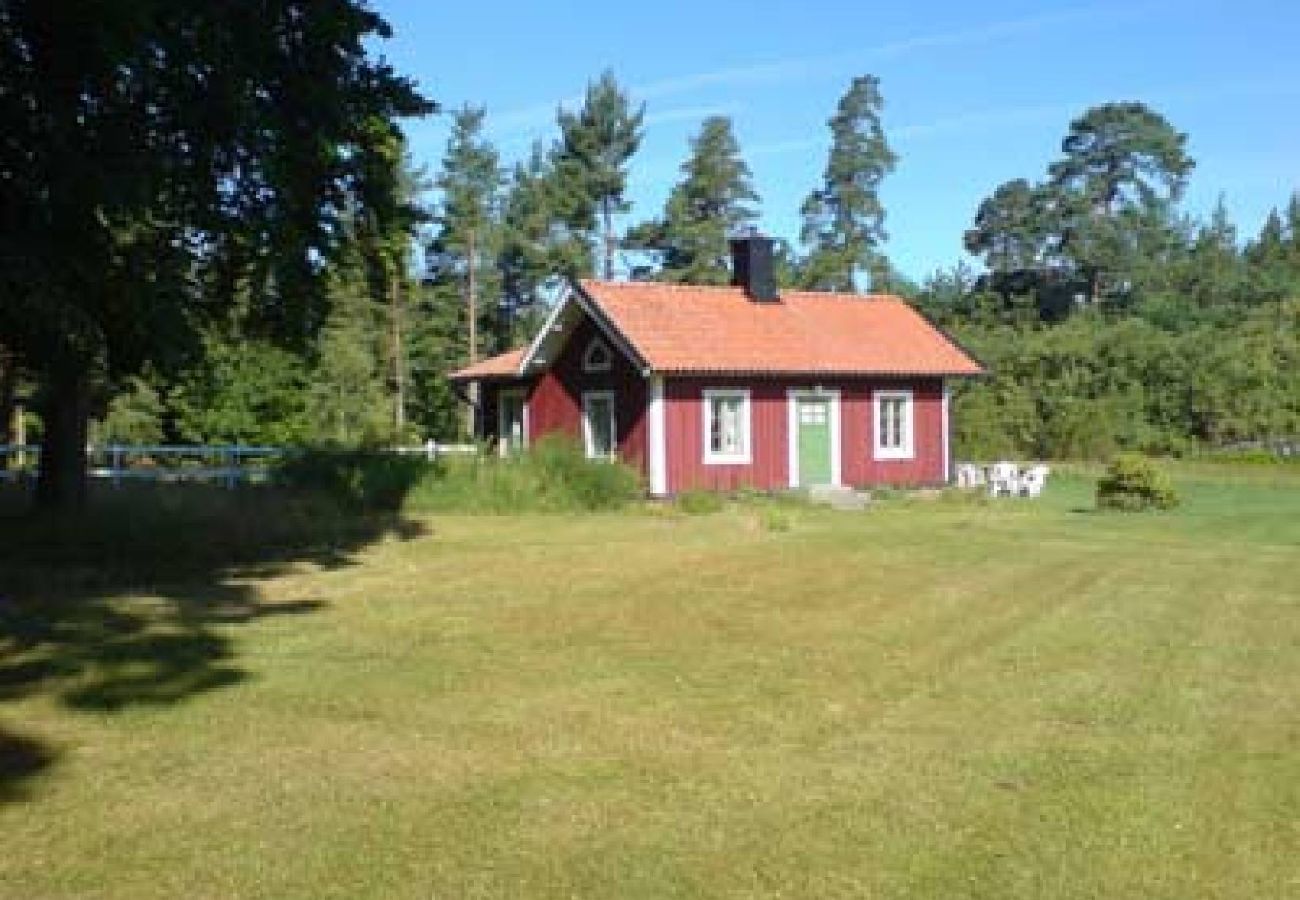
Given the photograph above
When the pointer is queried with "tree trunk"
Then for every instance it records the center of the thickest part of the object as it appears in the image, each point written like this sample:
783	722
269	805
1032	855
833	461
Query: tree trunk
471	302
608	212
65	412
399	361
8	388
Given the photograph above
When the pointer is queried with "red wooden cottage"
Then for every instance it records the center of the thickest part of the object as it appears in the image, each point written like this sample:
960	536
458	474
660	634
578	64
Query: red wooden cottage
729	387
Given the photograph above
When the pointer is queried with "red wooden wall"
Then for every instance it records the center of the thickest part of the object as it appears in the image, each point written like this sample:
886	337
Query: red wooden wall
769	429
555	404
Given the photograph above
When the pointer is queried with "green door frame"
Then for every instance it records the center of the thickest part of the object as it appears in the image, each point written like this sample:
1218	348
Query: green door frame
831	397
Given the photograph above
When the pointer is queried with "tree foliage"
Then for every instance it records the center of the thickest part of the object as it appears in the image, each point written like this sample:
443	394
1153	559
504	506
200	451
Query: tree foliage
153	149
712	202
591	160
843	219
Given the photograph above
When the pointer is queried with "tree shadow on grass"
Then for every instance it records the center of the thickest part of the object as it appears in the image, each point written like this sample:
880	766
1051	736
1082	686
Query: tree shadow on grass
132	603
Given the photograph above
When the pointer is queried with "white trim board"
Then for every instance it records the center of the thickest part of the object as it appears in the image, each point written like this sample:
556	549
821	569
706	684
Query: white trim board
793	395
947	434
657	437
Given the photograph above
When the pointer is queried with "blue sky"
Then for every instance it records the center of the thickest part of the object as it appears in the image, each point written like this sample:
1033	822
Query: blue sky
975	94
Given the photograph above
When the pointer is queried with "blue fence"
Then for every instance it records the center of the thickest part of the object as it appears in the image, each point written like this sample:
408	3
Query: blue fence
228	464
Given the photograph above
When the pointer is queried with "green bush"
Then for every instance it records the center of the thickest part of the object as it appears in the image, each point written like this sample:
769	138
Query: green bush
1132	483
553	476
776	519
699	503
357	480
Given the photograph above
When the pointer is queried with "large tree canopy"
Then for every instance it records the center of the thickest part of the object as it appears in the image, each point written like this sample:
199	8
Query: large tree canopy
158	151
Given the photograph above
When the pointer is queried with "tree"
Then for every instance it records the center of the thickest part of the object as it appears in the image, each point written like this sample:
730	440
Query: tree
346	393
530	256
844	220
712	202
469	218
1123	168
591	159
152	141
1011	229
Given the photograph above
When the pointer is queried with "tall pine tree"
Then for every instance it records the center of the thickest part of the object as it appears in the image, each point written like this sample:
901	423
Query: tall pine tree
844	220
591	160
1123	168
713	201
468	225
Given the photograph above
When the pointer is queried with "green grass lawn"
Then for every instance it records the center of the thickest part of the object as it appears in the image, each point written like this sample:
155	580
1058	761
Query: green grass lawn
930	698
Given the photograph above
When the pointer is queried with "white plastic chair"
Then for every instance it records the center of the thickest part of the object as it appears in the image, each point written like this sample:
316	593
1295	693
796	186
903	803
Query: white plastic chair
970	475
1004	480
1033	480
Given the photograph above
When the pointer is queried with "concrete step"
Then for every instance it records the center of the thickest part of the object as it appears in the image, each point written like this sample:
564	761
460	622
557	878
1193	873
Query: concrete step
845	498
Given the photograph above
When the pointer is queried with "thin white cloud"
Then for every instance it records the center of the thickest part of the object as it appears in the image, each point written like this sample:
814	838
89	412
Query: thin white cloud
974	122
795	69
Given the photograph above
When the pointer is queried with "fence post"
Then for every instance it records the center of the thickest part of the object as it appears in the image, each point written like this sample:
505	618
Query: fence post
115	464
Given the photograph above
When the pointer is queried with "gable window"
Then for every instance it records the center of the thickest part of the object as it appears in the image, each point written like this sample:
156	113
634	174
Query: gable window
597	357
599	424
512	421
894	424
726	426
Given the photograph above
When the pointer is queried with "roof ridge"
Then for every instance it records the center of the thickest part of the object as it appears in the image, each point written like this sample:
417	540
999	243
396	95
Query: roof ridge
678	287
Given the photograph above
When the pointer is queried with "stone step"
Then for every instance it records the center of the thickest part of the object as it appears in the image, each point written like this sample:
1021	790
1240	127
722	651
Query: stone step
845	498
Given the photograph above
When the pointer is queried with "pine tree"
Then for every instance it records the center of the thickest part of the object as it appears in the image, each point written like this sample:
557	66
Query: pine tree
347	391
469	233
530	254
843	220
1123	169
1010	230
711	203
591	161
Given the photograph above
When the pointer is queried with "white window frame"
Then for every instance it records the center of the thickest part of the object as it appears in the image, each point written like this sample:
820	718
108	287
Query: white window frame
588	441
907	449
597	365
712	458
512	393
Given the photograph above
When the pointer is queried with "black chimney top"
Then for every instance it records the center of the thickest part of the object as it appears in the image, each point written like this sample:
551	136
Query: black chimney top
751	268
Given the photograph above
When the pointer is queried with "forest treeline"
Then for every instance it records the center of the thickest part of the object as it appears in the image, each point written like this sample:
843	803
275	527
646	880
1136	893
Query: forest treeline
215	271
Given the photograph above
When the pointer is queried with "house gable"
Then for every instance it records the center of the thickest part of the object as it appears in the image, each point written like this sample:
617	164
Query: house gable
556	400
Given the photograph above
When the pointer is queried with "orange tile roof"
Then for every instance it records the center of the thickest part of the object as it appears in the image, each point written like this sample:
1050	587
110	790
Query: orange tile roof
685	328
503	365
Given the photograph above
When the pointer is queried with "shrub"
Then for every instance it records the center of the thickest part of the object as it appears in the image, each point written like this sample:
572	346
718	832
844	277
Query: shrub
357	480
699	503
776	519
554	476
1133	483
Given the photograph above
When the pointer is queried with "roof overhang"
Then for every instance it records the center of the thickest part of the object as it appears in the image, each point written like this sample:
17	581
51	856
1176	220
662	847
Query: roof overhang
573	305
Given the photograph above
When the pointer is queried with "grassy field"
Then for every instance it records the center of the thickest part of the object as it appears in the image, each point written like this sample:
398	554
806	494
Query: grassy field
930	699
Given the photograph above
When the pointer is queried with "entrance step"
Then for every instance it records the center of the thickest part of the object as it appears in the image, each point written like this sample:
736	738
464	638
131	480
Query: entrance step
835	497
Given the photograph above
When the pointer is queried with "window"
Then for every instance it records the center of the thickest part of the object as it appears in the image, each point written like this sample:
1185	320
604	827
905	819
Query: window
599	426
726	426
893	424
597	357
512	421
